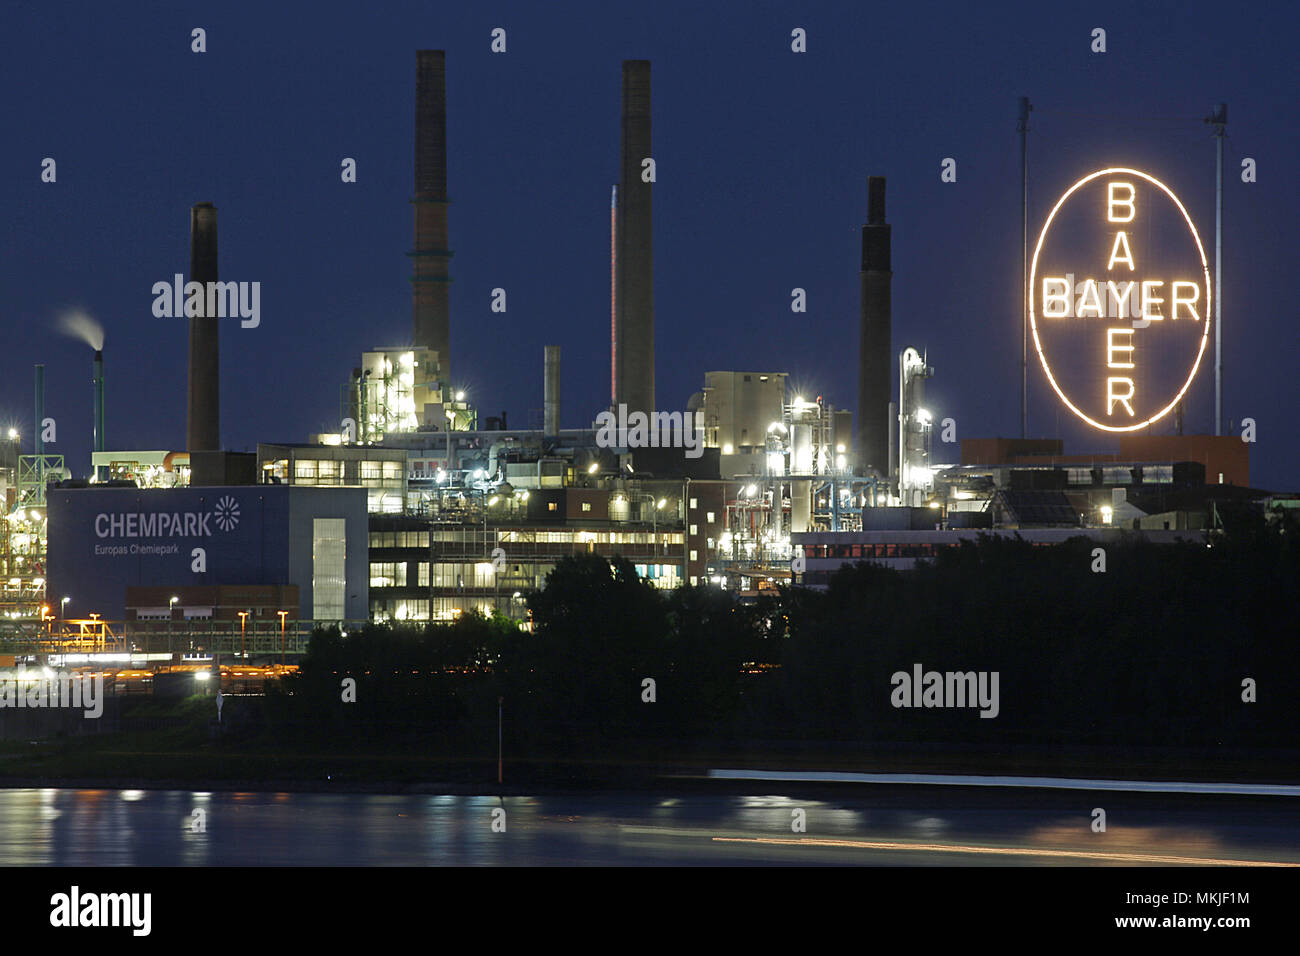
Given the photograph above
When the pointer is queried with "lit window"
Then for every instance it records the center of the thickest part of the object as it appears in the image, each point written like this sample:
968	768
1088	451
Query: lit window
708	516
586	506
329	573
695	503
551	506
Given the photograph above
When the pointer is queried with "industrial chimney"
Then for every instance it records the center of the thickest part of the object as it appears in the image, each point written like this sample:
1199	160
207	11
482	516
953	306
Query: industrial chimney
874	365
431	279
99	400
634	301
203	432
551	392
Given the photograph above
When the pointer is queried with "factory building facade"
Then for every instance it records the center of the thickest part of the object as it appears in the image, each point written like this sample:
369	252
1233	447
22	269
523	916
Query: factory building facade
473	550
1224	458
463	521
113	547
825	553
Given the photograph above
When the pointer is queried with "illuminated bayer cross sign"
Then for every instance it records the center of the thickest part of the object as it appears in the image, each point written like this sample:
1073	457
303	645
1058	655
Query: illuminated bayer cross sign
1120	303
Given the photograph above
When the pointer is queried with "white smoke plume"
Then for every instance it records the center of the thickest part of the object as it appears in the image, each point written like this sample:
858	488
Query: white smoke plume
79	324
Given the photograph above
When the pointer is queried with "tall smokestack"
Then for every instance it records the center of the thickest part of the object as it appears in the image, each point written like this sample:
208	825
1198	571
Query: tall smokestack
874	366
99	400
551	392
203	432
431	312
613	295
634	323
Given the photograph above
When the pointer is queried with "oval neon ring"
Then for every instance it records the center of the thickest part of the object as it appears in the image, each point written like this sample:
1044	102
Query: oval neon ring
1033	322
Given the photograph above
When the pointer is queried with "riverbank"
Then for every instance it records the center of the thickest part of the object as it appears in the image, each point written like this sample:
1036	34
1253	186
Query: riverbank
157	760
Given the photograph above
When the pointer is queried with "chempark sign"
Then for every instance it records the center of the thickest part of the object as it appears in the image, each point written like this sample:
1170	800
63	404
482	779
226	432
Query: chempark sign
1119	302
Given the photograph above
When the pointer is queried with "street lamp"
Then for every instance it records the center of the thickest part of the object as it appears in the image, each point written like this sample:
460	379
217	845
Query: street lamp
243	621
654	518
283	615
654	523
63	605
171	610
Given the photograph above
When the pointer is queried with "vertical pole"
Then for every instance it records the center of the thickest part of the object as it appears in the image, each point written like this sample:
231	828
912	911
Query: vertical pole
1022	126
1219	120
38	430
500	700
613	298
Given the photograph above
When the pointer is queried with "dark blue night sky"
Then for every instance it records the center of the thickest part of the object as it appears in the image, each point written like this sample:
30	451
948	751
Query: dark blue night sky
762	161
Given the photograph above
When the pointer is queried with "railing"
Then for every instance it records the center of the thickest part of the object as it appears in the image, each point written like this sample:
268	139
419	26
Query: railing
260	638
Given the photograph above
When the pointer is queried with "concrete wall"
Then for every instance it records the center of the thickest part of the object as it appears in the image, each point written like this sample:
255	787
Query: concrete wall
307	504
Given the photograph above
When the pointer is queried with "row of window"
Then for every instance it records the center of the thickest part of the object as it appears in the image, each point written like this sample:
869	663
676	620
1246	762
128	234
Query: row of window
891	550
393	574
399	539
404	609
441	609
1123	475
326	468
482	574
868	551
507	536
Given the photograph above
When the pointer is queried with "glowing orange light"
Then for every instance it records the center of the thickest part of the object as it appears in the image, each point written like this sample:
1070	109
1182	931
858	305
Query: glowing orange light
1122	857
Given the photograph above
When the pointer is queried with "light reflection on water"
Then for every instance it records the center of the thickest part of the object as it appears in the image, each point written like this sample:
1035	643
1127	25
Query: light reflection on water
159	828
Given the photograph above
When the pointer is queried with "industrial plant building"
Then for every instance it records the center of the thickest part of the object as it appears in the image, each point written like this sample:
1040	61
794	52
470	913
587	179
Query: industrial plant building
417	510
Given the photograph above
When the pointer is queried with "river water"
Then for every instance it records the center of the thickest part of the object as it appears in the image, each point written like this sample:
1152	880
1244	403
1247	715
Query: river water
886	825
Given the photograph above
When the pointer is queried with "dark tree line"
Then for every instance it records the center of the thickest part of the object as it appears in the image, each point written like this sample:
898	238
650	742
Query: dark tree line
1151	652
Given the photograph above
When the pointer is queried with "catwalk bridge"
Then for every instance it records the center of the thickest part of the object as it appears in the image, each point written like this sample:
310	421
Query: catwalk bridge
253	639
